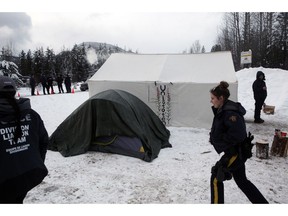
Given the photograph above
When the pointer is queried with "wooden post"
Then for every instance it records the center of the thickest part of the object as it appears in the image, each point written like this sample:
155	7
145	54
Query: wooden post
262	149
279	146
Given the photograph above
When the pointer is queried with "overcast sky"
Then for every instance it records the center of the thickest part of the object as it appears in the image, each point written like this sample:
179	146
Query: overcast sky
145	32
143	26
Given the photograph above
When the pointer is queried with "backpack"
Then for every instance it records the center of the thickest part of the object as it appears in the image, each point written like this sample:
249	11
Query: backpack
246	147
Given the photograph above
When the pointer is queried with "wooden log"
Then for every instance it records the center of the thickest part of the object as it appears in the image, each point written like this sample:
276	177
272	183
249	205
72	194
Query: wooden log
262	149
279	146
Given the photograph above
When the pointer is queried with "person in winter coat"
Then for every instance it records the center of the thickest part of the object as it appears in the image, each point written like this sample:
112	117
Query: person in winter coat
59	83
50	84
32	84
23	145
228	131
67	83
43	81
260	94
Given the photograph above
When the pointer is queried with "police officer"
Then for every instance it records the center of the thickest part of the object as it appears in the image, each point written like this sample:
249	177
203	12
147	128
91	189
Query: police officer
50	84
32	84
59	83
23	145
43	81
227	132
67	83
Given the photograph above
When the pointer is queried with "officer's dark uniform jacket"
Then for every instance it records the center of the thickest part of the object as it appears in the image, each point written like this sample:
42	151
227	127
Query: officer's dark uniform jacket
228	128
258	91
228	131
22	162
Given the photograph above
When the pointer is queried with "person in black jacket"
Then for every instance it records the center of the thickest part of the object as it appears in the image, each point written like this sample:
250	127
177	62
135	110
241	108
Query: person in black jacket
260	94
59	83
50	85
67	83
23	145
228	131
43	81
32	84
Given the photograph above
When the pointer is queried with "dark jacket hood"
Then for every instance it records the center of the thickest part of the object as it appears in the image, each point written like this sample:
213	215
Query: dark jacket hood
258	74
234	106
230	106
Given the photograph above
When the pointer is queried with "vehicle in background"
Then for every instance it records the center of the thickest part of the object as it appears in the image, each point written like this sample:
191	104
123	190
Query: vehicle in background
84	86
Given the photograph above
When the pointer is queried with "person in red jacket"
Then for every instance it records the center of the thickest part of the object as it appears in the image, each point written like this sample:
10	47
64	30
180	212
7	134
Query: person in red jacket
23	145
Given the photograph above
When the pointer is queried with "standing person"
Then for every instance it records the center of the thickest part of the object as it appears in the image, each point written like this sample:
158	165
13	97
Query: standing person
227	133
23	145
32	84
50	84
68	83
260	94
43	81
59	83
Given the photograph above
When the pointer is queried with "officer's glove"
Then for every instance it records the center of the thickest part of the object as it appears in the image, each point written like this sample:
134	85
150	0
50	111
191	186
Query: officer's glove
221	172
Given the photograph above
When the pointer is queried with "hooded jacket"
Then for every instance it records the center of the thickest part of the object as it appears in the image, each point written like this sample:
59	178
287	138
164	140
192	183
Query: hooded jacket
228	127
22	161
258	85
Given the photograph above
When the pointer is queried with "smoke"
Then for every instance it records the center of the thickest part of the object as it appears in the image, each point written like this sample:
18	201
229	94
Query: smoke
14	30
91	56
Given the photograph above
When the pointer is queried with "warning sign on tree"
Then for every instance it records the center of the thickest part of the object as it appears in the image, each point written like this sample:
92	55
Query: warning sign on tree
246	57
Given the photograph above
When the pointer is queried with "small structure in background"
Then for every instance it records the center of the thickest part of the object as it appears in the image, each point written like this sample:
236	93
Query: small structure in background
246	59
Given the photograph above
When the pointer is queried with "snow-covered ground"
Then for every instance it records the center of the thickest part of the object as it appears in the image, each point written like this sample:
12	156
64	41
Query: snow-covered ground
180	175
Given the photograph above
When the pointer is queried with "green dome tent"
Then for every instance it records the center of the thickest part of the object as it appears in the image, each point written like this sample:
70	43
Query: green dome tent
111	121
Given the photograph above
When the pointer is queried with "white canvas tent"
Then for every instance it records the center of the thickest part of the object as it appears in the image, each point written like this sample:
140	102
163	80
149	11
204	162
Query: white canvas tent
175	86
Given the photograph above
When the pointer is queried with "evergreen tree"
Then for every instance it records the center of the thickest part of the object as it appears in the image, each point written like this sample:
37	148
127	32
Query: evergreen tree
74	62
29	58
64	63
281	39
80	65
264	33
49	62
216	47
23	64
38	62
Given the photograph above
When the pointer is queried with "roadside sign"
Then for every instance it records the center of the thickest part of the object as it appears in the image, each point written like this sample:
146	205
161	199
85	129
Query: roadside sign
246	57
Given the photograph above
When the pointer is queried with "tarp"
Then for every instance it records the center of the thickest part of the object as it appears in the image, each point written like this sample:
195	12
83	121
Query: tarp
106	114
175	86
